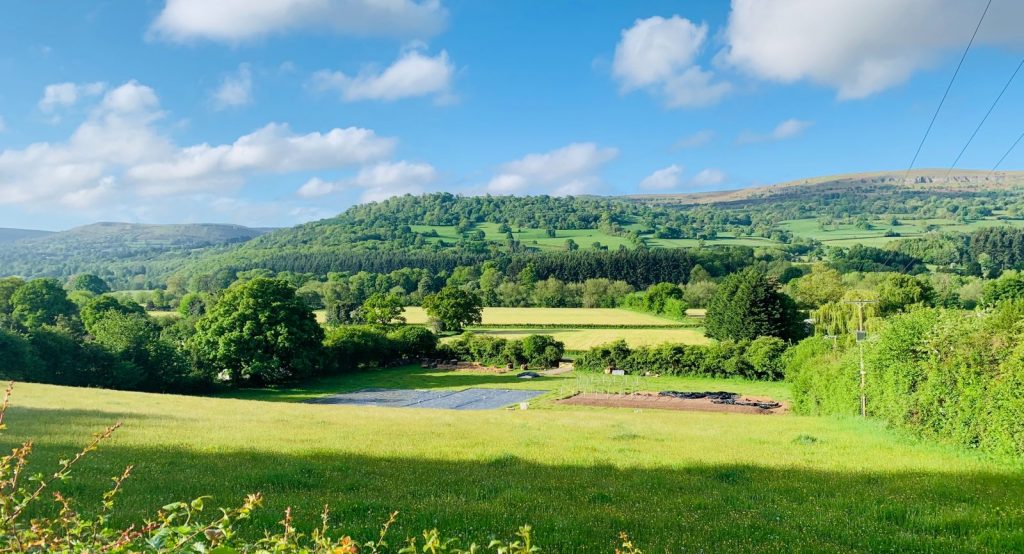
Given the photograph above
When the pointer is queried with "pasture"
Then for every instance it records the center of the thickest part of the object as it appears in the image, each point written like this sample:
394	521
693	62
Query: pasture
585	339
676	481
555	316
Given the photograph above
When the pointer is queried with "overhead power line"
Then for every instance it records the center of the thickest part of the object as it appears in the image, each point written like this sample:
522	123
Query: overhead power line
988	113
1007	153
946	93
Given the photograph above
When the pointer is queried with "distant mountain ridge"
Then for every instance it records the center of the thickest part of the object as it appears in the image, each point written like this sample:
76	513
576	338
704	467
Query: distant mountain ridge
99	247
8	234
933	180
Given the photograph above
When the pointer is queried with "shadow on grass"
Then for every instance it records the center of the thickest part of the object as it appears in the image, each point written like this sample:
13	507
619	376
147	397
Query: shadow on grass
721	508
405	377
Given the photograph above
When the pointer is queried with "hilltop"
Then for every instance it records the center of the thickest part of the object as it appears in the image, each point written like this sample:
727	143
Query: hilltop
918	180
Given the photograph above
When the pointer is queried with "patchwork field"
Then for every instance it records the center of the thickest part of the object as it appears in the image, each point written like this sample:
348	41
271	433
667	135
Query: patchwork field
676	481
555	316
583	339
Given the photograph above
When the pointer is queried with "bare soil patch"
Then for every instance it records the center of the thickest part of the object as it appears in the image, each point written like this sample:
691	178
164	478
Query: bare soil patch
651	400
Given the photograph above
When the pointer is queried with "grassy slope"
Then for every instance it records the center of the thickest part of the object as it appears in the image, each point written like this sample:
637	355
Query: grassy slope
676	481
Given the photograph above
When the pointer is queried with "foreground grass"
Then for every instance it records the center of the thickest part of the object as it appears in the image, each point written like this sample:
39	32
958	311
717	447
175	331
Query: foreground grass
676	481
415	377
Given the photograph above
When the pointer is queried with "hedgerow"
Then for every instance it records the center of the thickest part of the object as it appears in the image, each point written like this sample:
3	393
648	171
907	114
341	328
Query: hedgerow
536	351
757	359
942	374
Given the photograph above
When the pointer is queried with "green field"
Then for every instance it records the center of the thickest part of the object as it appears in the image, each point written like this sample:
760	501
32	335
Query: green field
848	234
584	339
677	481
555	316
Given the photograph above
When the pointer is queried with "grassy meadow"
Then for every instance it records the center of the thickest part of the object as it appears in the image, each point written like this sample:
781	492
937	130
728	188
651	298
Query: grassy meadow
555	316
676	481
585	339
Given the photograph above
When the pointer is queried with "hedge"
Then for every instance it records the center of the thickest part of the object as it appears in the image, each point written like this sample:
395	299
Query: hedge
351	347
536	351
940	373
757	359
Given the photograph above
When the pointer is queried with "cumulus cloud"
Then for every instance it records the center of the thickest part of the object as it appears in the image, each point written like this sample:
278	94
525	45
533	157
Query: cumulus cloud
569	170
672	177
700	138
787	129
65	95
379	181
663	179
234	21
118	149
708	177
412	74
858	47
235	89
658	54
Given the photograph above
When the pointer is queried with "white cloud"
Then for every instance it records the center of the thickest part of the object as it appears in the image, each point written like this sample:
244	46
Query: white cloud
659	54
235	89
859	47
271	149
412	74
239	20
700	138
571	170
671	177
708	177
65	95
663	179
119	151
380	181
787	129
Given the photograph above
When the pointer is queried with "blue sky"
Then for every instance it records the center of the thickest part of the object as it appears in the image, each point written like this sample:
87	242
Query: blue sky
277	112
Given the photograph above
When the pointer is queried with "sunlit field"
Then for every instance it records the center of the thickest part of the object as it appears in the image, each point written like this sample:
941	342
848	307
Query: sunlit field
583	339
677	481
554	316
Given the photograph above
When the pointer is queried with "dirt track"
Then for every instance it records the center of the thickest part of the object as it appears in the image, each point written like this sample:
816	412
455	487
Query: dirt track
647	400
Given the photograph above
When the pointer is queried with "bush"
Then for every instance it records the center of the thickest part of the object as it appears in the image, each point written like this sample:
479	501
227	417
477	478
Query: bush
352	347
933	371
760	359
536	351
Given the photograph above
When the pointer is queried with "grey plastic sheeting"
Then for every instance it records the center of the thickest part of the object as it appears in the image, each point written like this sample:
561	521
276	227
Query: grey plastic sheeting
468	399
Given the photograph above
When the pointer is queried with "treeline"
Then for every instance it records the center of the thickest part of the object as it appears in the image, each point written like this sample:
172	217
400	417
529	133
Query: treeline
985	252
256	332
933	371
760	359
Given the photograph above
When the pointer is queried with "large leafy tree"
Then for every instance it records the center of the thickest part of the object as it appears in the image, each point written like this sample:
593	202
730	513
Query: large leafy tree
99	306
41	302
135	339
452	308
898	292
259	332
382	309
89	283
748	305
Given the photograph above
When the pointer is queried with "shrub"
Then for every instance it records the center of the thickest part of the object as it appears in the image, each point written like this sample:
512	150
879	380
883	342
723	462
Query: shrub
933	371
352	347
536	351
760	359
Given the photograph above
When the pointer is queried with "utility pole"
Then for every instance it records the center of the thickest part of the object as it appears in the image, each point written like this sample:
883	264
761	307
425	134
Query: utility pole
862	335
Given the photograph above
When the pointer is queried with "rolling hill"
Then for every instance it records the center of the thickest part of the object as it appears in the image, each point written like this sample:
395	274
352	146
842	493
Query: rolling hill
7	234
920	180
106	248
